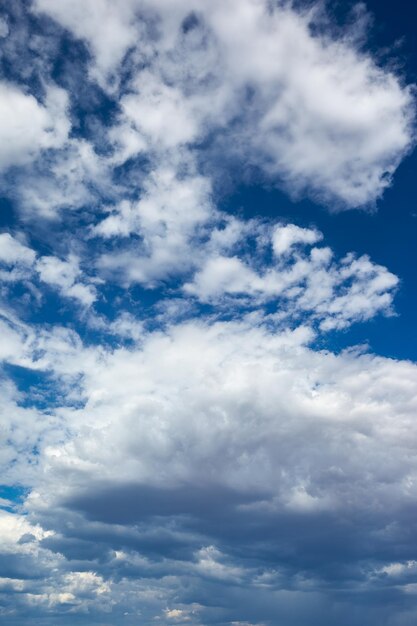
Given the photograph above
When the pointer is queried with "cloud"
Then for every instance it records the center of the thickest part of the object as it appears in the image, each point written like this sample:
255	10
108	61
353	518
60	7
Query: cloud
161	113
165	423
26	583
300	280
287	236
231	470
184	449
21	264
12	252
319	117
28	126
173	212
175	231
110	42
62	179
65	275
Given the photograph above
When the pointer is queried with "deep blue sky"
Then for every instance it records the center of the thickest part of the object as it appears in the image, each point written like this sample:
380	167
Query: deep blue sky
388	233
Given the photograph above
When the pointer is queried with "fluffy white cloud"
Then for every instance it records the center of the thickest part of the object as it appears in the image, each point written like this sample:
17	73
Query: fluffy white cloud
110	42
64	179
300	280
160	113
314	113
285	237
22	264
12	252
237	432
65	275
173	212
253	396
16	261
28	126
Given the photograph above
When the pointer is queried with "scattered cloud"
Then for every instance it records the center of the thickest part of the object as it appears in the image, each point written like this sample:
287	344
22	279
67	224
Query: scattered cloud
188	443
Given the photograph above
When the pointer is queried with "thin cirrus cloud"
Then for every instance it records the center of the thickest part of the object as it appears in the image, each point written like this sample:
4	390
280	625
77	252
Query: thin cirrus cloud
179	443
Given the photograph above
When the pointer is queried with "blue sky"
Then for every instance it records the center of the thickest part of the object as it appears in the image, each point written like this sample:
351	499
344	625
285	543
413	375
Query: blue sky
208	358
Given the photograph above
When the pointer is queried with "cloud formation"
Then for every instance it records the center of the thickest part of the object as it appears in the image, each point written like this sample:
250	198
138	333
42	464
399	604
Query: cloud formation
27	126
314	113
183	441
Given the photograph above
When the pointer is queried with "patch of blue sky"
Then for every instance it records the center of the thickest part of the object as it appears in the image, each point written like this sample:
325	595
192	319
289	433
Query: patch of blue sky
12	496
36	388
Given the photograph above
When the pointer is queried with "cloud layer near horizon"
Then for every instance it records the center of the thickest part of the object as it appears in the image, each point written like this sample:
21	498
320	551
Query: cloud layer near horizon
177	447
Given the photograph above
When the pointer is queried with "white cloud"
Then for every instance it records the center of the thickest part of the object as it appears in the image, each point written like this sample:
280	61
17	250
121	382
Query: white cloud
13	341
159	112
12	252
226	275
110	42
168	217
300	280
238	417
27	126
321	119
22	264
22	430
199	409
66	277
328	119
204	407
285	237
62	180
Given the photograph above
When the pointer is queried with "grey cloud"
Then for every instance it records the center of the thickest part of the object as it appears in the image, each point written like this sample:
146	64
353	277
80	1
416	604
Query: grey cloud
132	503
21	566
332	546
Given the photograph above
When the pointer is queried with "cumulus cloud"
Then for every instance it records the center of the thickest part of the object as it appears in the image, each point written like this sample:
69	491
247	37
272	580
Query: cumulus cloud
28	126
173	210
64	275
20	263
110	42
258	448
301	280
63	179
287	236
12	252
317	116
159	424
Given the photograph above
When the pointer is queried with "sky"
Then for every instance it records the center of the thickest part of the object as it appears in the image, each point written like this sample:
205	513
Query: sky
208	223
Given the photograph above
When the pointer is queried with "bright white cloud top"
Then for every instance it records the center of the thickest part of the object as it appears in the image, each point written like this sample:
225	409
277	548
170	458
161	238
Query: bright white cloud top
186	448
